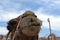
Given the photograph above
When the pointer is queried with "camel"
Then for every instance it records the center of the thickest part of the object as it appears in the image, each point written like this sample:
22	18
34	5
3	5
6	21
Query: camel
24	27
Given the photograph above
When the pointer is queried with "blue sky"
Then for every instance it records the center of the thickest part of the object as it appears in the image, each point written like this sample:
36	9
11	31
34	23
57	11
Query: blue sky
44	9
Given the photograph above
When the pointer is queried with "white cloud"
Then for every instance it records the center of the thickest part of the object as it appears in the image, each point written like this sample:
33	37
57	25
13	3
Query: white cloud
54	20
6	16
56	1
3	30
49	3
9	15
9	5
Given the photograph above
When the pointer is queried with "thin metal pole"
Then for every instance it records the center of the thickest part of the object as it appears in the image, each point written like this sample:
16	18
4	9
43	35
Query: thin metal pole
49	27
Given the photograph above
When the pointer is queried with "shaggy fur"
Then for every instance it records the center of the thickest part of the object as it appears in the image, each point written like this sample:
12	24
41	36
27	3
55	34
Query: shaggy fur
29	27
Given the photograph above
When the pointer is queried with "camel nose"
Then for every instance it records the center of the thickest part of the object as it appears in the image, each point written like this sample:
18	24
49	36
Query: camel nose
32	28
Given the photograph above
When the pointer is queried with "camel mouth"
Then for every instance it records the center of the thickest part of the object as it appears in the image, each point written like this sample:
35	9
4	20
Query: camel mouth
30	33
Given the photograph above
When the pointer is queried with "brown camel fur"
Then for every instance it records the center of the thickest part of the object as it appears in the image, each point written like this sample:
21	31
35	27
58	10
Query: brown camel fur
29	27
